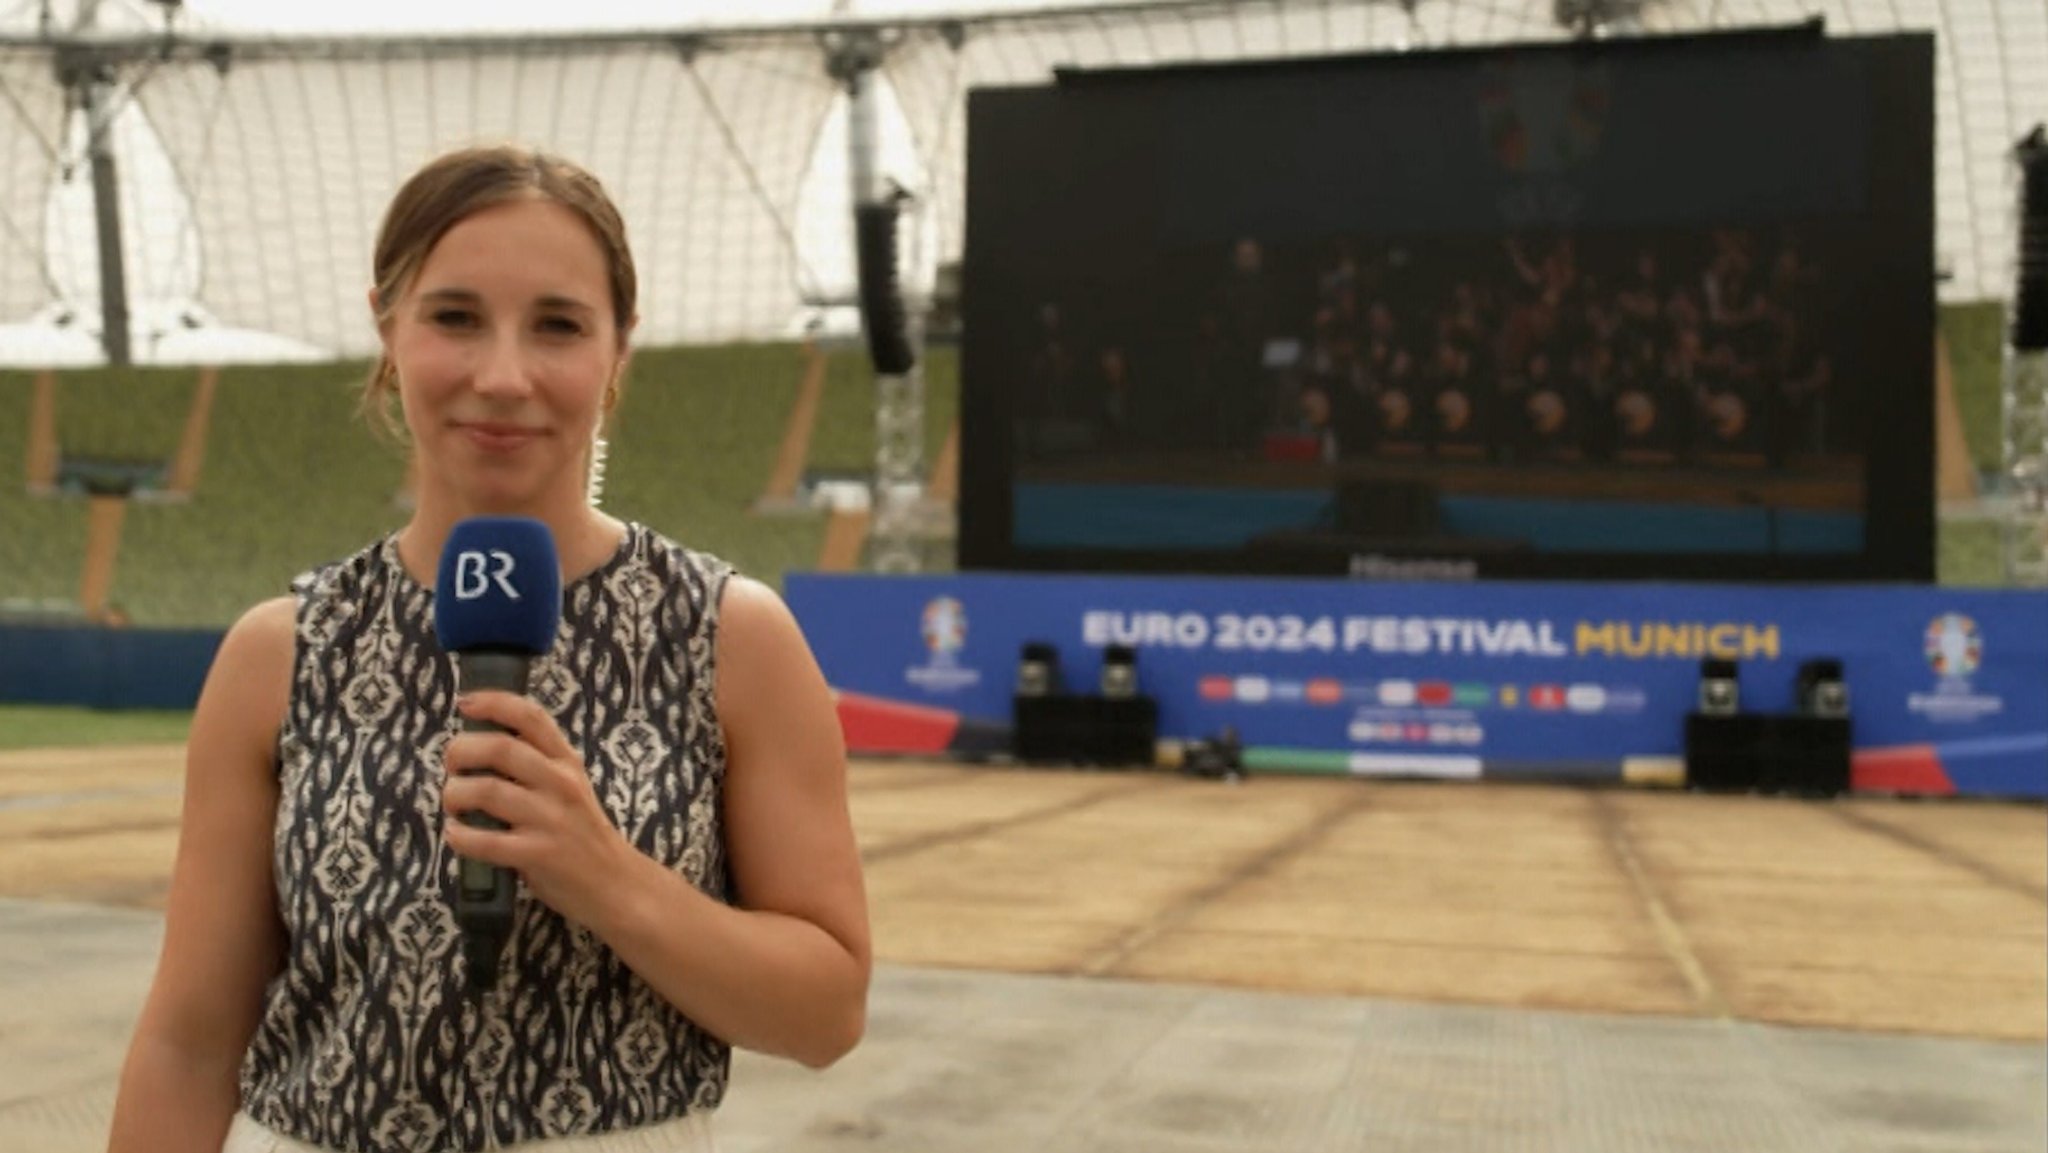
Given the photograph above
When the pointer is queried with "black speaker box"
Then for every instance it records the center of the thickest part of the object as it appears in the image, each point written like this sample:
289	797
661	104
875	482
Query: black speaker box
2030	295
1808	755
1720	751
882	316
1072	728
1768	753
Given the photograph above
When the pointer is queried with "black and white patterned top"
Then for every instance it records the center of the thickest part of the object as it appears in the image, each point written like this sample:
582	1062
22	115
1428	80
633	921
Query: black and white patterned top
369	1039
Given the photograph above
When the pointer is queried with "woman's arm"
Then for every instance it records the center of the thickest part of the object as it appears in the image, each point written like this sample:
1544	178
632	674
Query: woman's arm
222	939
785	970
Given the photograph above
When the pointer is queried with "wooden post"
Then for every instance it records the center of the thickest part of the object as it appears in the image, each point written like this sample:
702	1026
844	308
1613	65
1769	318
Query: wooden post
795	451
42	434
102	547
846	532
944	485
192	445
1955	473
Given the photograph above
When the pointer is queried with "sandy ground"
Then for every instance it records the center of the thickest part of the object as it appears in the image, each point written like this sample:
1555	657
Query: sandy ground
1902	916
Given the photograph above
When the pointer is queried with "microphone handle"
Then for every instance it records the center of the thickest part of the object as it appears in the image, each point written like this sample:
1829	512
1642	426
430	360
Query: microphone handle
484	892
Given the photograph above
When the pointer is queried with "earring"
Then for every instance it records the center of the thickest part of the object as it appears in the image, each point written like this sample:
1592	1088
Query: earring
594	480
600	448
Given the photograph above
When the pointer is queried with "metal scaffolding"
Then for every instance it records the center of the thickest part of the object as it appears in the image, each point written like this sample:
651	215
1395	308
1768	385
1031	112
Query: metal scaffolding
2024	403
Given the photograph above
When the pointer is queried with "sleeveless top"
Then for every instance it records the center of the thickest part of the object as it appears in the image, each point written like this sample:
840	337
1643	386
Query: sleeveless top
369	1037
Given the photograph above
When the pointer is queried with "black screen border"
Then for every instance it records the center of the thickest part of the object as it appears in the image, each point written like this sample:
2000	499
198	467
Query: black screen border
1899	512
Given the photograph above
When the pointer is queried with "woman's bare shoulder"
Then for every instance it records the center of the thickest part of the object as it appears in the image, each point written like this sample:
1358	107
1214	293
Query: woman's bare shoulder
250	683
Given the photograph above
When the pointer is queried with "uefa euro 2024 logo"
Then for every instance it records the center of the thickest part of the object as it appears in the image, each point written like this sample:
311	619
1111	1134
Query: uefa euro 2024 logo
1955	651
1954	648
943	625
945	628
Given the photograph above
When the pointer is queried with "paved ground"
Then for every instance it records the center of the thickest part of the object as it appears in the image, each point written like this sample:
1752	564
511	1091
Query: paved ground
1143	963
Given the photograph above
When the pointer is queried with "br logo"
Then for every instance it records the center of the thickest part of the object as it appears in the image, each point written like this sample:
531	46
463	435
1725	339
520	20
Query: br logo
476	572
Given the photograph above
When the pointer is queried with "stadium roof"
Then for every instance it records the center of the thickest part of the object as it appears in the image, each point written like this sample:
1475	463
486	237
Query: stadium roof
255	141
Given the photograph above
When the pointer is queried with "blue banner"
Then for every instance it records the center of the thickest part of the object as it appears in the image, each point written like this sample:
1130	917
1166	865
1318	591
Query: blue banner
104	668
1948	687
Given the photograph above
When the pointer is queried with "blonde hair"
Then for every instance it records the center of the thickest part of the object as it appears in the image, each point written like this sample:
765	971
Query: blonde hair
456	186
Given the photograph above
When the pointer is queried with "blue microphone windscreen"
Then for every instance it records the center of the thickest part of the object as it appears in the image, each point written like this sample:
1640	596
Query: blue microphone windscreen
499	586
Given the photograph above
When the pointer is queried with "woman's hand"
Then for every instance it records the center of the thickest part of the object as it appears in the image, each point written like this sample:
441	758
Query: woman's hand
560	840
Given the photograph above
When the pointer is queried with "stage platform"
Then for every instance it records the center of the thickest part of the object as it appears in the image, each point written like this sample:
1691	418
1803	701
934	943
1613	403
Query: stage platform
1144	962
1832	484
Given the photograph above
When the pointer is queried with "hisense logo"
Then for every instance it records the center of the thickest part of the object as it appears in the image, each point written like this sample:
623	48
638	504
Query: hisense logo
1426	569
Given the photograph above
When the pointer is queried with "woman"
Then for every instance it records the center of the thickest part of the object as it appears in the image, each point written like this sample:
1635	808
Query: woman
674	785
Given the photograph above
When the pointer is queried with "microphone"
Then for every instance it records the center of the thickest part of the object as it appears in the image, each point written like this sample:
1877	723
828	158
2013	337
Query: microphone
497	604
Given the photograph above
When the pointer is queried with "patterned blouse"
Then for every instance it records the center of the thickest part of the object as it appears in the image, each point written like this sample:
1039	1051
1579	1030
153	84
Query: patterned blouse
369	1038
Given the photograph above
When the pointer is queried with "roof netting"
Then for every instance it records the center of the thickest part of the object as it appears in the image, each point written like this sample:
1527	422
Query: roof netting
31	140
252	174
286	164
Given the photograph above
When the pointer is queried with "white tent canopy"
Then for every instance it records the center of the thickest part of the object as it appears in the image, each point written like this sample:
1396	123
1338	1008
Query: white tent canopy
251	175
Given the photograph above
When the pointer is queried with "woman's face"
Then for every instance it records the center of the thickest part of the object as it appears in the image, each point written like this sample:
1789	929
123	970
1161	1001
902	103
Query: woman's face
504	345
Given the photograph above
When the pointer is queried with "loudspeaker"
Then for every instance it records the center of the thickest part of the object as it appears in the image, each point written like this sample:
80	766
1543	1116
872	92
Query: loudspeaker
1038	670
1768	753
882	315
1071	728
2030	299
1119	671
1822	691
1720	691
1721	751
1806	756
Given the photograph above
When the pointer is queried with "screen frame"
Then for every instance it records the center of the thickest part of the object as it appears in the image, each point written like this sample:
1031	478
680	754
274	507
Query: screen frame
1899	511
